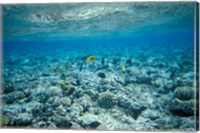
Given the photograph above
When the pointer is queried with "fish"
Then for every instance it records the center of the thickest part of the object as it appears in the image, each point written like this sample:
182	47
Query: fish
123	68
90	59
81	67
103	61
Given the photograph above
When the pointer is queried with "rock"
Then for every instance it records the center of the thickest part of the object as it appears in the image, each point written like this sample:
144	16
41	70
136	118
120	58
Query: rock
151	72
184	93
62	76
75	126
43	94
32	79
54	82
104	82
124	103
143	80
188	125
78	93
85	101
70	91
177	122
68	66
8	86
36	109
94	124
44	117
61	121
92	94
136	109
67	88
58	69
170	86
129	80
54	91
89	121
50	100
162	90
23	110
78	82
43	124
14	61
181	108
66	101
168	127
49	112
13	96
57	101
153	116
115	61
65	85
101	75
173	72
114	90
77	109
110	86
42	97
102	127
50	125
40	124
101	88
129	62
23	120
60	110
107	100
45	74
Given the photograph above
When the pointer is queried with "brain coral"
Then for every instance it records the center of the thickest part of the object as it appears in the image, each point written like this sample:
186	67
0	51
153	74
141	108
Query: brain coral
107	100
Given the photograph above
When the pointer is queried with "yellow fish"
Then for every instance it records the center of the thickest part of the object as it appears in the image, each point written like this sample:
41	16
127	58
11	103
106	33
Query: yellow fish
123	68
90	59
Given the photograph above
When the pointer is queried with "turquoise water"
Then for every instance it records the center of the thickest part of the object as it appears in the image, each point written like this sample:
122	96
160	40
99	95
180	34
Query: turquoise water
142	77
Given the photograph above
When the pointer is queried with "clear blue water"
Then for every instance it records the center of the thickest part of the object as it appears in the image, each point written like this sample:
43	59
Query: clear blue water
154	41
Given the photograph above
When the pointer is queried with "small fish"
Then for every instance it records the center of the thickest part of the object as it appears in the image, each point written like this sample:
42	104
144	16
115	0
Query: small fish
102	61
123	68
90	59
81	67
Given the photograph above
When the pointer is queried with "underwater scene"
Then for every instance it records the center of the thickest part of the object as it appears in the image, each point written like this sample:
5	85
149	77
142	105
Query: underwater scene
99	66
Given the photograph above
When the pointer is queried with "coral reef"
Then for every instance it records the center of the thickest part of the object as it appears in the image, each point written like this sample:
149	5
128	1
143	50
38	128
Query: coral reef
65	91
13	96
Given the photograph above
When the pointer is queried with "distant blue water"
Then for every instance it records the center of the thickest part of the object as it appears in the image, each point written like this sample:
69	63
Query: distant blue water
180	39
183	38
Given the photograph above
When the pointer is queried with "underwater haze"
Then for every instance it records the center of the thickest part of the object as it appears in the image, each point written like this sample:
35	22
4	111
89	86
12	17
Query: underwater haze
99	66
